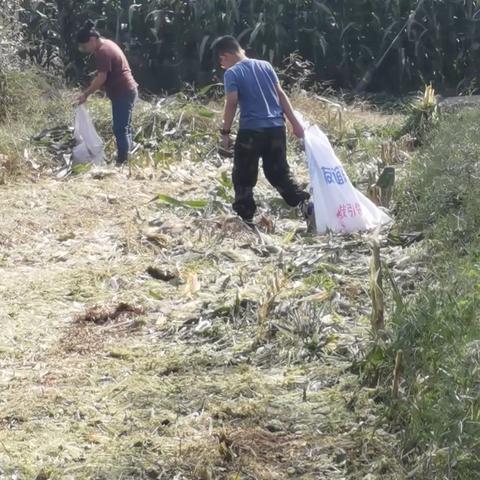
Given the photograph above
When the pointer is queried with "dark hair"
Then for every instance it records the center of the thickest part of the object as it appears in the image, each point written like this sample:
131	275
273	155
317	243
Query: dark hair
226	44
87	32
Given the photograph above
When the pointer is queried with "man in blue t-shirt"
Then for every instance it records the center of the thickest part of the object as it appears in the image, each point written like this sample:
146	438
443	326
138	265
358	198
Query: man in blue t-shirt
254	86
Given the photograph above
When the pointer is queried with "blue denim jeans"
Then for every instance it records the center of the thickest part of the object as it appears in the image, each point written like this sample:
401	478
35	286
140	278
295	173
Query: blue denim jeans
122	112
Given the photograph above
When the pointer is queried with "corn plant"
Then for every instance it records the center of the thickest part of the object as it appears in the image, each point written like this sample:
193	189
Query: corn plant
377	44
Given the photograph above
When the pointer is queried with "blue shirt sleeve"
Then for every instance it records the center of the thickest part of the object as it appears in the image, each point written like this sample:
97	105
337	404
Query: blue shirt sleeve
230	82
272	74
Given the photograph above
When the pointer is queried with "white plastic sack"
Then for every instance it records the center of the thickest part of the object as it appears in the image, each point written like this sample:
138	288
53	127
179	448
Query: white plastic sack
338	205
89	148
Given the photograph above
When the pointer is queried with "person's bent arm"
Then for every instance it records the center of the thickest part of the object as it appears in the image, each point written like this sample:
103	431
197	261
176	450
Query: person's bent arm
96	84
298	130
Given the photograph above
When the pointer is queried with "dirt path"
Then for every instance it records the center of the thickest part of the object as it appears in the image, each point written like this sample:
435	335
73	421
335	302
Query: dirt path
235	366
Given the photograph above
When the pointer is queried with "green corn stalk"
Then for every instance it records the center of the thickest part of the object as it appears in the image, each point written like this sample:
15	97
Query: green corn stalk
379	44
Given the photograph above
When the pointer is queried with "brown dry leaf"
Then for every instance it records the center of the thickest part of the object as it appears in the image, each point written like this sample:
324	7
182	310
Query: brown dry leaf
318	297
266	224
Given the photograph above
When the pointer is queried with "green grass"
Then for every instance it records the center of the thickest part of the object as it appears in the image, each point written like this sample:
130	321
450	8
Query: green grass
439	334
438	329
441	191
34	95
